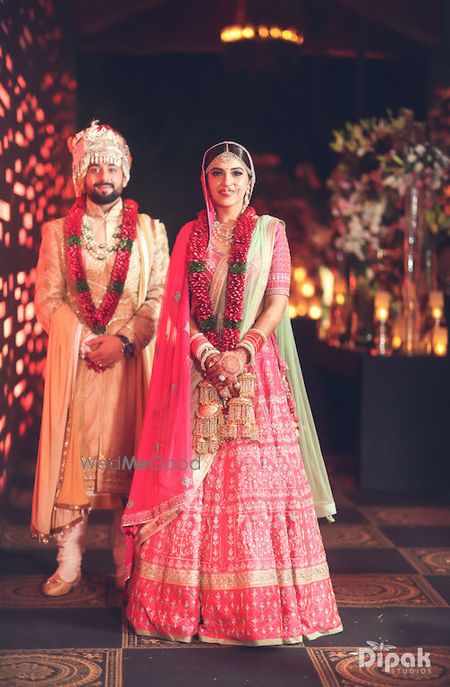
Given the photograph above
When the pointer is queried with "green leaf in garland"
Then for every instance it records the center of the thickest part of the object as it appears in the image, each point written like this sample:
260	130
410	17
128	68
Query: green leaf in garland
196	266
125	244
232	325
73	240
117	287
237	267
81	285
98	329
207	324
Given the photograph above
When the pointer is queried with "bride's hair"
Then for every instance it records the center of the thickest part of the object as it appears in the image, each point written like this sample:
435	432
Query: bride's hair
233	148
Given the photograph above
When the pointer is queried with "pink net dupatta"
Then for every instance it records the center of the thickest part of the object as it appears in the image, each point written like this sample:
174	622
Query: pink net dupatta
163	478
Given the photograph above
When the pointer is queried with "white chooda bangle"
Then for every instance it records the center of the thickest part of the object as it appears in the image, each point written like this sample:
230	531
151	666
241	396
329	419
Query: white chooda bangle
248	347
208	354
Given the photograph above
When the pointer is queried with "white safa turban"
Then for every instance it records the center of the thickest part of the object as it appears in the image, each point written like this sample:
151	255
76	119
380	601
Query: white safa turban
98	143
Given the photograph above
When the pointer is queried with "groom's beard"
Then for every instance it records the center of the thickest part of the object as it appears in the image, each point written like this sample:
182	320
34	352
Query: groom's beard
104	198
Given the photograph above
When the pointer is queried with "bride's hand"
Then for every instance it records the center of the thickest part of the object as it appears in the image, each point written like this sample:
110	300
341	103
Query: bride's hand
210	363
220	377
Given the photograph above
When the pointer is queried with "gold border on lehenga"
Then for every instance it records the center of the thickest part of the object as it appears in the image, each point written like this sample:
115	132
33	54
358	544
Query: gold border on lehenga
273	641
187	639
235	580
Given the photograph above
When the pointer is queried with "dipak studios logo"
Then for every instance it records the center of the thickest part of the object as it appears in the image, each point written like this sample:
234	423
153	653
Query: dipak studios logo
401	663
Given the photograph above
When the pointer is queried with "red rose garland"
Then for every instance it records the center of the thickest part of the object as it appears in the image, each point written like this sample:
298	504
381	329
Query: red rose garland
199	282
98	318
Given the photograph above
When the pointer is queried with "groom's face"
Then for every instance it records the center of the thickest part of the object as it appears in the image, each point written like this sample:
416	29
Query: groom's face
104	183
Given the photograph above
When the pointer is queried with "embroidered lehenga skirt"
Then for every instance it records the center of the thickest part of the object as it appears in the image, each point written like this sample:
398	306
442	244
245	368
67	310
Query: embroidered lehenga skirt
244	563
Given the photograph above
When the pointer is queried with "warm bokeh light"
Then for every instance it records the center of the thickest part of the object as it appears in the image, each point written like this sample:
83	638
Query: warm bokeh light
440	341
292	311
307	289
302	309
300	274
37	106
248	32
232	34
315	311
381	314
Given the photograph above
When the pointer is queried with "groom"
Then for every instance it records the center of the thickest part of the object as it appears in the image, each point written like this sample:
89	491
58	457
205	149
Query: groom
100	280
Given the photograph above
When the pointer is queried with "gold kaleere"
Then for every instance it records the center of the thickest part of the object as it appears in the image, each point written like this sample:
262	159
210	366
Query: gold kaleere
209	420
247	381
212	426
241	412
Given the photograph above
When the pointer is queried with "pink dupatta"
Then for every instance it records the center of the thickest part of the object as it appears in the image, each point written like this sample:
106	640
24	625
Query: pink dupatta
162	480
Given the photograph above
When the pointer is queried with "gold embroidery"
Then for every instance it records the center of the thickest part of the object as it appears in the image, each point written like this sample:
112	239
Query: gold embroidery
233	580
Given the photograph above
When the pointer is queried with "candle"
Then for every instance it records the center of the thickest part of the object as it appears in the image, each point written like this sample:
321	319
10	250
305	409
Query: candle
440	341
397	329
436	299
327	281
382	303
339	285
382	300
381	314
436	313
396	341
436	304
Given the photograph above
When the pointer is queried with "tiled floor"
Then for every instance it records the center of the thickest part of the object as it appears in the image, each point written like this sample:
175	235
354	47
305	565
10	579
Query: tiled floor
390	563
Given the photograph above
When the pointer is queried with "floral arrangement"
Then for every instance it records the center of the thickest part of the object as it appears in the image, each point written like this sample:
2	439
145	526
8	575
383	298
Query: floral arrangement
380	159
422	164
439	119
438	218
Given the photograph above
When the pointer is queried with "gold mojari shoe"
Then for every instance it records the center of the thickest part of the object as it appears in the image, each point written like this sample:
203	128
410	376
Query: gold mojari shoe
56	586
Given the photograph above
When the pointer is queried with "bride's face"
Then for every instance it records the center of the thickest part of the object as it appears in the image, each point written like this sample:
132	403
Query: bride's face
227	184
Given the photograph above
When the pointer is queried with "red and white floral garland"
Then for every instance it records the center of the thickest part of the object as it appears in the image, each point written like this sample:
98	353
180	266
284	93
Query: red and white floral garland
98	318
199	282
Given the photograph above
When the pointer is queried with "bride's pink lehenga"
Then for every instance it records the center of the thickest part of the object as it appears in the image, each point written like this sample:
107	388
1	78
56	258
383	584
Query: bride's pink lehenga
244	562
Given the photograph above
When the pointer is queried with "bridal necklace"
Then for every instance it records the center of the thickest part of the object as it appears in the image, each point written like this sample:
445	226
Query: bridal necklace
222	233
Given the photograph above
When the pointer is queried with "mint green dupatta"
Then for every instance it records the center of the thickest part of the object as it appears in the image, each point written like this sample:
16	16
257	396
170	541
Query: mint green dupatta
259	262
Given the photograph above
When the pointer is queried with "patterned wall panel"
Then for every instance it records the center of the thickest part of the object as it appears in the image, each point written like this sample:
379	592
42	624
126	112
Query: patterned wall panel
37	114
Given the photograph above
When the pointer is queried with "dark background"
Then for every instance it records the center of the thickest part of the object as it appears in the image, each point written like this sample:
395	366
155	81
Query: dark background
157	71
171	108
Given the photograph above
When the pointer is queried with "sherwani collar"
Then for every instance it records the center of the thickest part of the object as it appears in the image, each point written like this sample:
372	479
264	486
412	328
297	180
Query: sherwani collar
94	210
